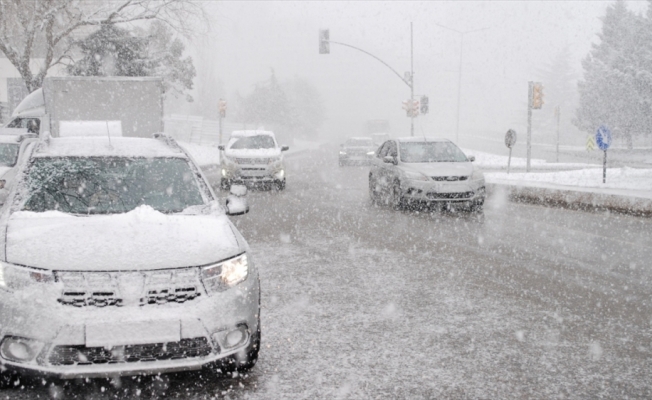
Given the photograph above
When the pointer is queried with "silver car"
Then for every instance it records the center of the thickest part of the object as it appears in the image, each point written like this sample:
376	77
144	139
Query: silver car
253	158
356	150
416	171
117	259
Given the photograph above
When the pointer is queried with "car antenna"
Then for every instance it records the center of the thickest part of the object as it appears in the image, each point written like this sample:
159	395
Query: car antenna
108	133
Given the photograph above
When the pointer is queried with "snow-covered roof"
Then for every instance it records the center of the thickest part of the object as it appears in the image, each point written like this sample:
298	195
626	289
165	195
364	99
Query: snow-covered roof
100	146
251	133
421	139
359	138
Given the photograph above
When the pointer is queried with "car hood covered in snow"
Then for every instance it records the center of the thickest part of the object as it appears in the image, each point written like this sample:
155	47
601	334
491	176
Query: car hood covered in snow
141	239
441	168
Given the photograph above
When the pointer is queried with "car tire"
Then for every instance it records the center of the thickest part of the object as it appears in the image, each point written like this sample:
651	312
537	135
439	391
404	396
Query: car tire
225	184
477	206
396	201
279	185
373	196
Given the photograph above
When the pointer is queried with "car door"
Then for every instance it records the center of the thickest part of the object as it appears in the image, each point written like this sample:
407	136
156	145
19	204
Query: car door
377	166
391	173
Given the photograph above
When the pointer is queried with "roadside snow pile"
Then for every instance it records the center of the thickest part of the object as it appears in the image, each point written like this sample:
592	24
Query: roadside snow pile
617	178
493	161
203	154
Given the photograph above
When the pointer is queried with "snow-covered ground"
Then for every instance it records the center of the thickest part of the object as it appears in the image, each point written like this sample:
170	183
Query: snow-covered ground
617	178
493	161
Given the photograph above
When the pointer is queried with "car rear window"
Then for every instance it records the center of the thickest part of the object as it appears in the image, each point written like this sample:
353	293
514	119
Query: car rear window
110	185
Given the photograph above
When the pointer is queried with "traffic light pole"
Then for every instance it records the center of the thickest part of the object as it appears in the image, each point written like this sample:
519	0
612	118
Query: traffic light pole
410	83
529	125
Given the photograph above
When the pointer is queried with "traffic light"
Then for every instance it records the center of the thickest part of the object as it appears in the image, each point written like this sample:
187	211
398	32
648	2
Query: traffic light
424	104
222	105
324	42
411	108
537	95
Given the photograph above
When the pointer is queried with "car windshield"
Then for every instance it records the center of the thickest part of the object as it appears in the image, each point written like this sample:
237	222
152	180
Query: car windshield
8	154
425	152
254	142
110	185
359	143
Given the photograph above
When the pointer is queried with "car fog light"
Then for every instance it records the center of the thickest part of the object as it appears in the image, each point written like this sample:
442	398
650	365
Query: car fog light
229	339
14	348
281	174
223	172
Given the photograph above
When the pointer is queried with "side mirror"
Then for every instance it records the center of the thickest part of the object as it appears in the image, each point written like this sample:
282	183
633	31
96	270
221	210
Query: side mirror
236	201
471	158
221	147
389	160
285	148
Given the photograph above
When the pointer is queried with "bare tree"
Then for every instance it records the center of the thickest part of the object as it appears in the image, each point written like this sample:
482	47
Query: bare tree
43	28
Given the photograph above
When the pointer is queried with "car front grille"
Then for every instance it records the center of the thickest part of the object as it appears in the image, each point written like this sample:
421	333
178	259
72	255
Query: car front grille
254	161
103	289
462	195
450	178
82	355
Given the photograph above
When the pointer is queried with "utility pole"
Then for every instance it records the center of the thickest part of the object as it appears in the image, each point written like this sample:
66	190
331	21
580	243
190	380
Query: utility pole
557	114
529	124
411	78
459	73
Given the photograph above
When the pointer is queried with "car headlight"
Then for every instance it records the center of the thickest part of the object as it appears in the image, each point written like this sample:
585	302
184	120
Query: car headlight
371	153
416	176
13	277
20	349
222	276
342	153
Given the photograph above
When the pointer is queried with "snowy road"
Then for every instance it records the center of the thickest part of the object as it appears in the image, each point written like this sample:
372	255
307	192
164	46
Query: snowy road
366	302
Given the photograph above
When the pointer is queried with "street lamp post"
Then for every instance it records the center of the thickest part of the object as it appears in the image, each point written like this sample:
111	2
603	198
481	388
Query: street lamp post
459	73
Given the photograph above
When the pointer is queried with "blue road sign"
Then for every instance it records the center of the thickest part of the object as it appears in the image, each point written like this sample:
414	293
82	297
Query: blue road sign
603	138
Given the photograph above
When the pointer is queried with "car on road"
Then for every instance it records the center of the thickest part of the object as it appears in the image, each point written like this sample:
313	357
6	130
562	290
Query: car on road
117	258
253	157
357	150
417	171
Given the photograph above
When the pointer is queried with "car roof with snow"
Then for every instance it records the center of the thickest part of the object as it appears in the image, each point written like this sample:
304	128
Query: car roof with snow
420	139
251	133
102	147
359	138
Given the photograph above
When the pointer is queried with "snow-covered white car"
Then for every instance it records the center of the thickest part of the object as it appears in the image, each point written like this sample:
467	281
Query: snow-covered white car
116	258
253	158
413	171
357	150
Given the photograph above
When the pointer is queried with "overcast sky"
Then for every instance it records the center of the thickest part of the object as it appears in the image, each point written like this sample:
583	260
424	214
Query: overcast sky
248	38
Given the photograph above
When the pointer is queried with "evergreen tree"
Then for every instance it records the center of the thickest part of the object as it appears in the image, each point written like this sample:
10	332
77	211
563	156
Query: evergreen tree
610	92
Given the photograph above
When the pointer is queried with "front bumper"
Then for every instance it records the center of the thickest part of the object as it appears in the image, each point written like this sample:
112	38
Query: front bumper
235	173
73	347
438	191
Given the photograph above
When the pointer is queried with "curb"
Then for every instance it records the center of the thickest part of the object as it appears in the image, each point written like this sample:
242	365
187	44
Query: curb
574	199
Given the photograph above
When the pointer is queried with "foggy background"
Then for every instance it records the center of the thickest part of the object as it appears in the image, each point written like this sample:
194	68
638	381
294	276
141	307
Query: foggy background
246	40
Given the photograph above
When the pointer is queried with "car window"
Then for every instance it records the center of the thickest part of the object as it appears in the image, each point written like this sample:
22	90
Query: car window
359	142
8	154
424	152
110	185
382	151
392	150
31	124
254	142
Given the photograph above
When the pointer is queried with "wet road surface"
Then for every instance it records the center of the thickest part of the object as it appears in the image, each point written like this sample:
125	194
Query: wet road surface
360	301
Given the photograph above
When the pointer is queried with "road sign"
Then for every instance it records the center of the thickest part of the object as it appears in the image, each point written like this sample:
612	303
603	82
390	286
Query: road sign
510	138
603	138
590	143
222	105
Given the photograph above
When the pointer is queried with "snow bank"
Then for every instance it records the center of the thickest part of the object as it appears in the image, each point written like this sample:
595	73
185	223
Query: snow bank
617	178
493	161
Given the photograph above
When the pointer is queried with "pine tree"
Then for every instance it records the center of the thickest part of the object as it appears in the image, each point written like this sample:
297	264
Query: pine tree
608	93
